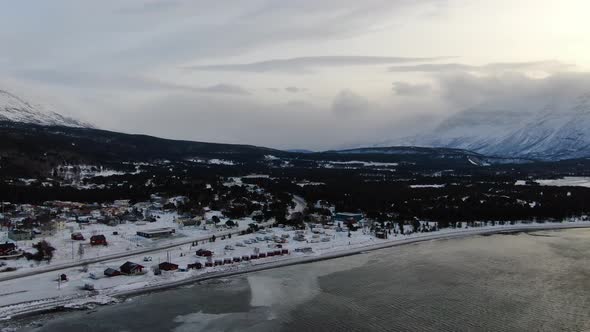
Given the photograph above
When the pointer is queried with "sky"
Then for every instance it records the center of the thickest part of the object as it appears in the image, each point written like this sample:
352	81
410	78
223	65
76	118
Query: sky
305	74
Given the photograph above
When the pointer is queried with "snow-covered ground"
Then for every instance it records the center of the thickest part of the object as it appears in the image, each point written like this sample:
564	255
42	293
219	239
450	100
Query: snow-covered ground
300	204
212	161
418	186
68	251
355	164
309	183
41	291
363	163
568	181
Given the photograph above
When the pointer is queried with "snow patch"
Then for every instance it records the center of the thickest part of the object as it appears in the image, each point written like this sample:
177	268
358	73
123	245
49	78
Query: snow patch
418	186
568	181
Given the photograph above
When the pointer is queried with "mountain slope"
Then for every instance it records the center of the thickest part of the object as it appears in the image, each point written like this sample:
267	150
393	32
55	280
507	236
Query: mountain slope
15	109
432	155
34	149
551	131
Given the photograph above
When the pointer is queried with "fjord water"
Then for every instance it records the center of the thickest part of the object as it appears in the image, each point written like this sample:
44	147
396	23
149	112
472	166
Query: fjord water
517	282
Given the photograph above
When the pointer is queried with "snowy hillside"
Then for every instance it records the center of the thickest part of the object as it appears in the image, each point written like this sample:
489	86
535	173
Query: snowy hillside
15	109
550	131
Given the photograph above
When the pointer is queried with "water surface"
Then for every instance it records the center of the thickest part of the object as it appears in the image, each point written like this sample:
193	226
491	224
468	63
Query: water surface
519	282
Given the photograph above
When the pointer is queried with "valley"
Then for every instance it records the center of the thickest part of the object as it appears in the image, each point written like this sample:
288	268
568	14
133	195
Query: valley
79	205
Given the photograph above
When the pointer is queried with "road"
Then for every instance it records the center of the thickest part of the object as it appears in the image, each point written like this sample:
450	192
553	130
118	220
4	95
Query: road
180	242
300	204
26	309
414	238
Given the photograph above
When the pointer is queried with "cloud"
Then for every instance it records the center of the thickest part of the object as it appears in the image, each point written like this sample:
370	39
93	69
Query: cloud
224	88
513	91
409	89
294	89
348	103
307	64
290	124
150	6
93	80
547	66
141	35
129	59
89	79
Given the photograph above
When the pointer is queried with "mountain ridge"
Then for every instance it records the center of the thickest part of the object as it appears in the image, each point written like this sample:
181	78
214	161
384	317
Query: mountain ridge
16	109
550	131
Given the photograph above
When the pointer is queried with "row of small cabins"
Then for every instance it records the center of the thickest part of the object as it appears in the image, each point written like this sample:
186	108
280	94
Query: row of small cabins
244	258
130	268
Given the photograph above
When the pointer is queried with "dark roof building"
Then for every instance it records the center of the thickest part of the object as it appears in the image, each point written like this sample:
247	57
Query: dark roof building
167	266
7	248
158	232
110	272
98	240
131	268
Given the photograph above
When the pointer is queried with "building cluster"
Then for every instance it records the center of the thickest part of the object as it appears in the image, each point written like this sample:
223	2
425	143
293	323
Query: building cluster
21	222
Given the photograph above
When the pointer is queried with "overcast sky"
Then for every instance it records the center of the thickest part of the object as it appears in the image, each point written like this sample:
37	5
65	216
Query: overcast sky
313	74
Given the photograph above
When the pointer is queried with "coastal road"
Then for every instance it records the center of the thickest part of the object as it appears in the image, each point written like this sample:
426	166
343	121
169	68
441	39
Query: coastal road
50	304
414	238
180	242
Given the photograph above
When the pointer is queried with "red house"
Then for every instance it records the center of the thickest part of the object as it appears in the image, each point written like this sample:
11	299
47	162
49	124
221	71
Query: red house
204	253
98	240
167	266
7	248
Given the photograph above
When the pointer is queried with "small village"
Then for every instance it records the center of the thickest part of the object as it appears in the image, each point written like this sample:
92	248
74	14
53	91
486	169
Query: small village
72	250
77	231
70	254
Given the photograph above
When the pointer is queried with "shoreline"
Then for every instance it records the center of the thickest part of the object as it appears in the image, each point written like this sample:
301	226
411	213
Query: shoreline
418	237
349	252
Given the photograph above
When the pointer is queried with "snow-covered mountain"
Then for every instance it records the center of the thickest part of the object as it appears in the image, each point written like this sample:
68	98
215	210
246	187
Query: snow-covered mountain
537	130
15	109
